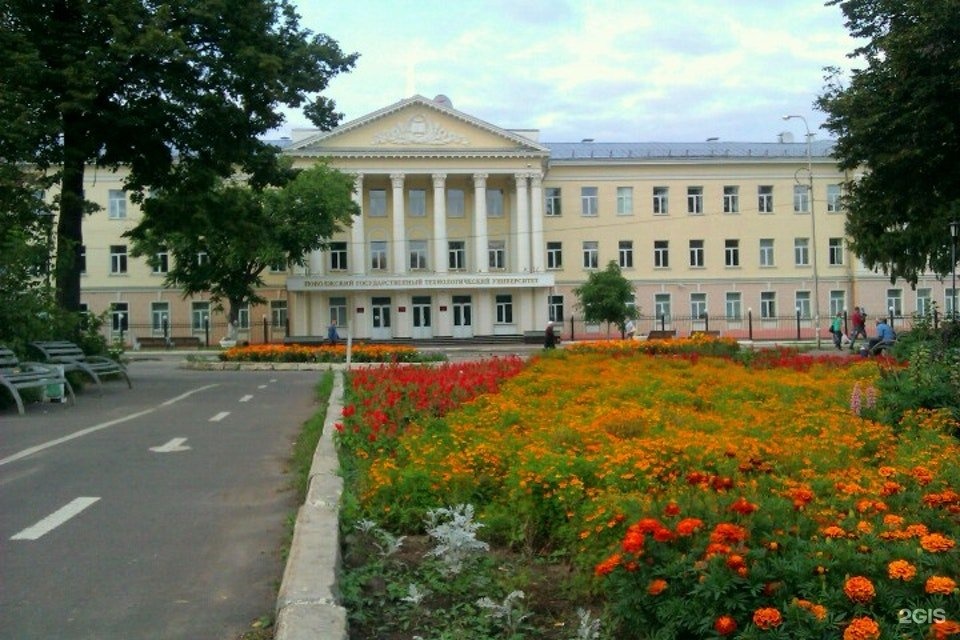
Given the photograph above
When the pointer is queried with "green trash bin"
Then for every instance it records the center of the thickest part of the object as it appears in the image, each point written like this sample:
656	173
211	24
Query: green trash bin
54	392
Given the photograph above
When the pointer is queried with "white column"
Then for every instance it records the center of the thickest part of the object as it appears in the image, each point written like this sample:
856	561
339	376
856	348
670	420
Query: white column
358	253
439	223
523	224
399	230
481	241
536	220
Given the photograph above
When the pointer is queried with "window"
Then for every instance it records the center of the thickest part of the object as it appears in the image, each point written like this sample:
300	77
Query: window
661	201
661	254
338	256
801	198
416	203
924	302
661	306
731	199
768	305
895	301
457	252
591	254
118	258
731	253
82	258
555	308
766	252
836	251
695	200
698	305
161	262
160	318
418	255
378	255
696	253
199	315
733	305
833	198
553	201
624	201
554	255
801	252
378	203
455	203
278	313
765	199
119	316
626	254
951	296
338	311
838	301
203	258
802	304
504	304
589	201
117	204
497	254
494	203
279	267
243	317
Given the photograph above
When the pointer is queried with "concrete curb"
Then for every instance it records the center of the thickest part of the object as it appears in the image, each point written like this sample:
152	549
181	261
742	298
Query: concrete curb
308	604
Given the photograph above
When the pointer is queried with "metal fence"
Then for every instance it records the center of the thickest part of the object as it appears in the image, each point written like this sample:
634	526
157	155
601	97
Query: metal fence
178	335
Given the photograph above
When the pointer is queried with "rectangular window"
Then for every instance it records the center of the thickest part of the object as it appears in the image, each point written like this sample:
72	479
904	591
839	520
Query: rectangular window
119	316
338	256
801	198
494	203
553	201
589	201
278	313
279	267
199	315
555	308
695	200
948	303
895	301
203	258
338	311
731	253
117	204
591	254
802	304
554	255
455	203
836	251
497	252
661	254
733	305
624	201
698	305
765	199
504	304
378	203
766	252
661	201
378	255
418	254
924	302
731	199
661	306
161	263
118	258
833	198
626	254
768	305
838	301
457	252
416	203
160	318
696	253
82	258
801	252
243	317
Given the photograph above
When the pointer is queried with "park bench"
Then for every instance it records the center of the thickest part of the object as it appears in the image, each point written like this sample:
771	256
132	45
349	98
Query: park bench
661	335
16	375
708	334
73	358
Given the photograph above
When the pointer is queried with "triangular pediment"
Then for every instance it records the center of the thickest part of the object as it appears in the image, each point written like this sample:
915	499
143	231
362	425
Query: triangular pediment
417	126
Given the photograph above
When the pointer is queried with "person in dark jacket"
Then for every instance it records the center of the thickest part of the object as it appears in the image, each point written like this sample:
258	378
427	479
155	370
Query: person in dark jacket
549	337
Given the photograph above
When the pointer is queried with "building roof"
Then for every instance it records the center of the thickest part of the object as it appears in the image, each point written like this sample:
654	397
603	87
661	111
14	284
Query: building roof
619	151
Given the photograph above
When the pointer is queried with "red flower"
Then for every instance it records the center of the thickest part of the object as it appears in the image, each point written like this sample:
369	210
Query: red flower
725	625
767	618
743	507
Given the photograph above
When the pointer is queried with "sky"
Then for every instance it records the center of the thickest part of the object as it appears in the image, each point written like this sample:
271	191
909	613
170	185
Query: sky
611	70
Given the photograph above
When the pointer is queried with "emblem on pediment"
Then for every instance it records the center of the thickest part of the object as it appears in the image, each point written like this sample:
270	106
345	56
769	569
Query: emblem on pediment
418	130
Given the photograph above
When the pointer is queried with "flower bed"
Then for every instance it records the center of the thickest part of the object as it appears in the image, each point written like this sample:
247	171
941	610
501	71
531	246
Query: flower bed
708	498
323	353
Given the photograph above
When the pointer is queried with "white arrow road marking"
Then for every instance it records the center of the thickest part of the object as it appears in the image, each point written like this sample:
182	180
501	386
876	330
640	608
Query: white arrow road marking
261	386
174	445
220	416
246	398
55	519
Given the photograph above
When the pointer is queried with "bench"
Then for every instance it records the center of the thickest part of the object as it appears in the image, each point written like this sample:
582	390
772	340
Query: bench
662	335
73	358
174	342
705	334
16	375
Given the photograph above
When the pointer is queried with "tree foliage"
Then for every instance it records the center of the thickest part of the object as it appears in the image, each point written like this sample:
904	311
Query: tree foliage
606	297
899	119
159	87
240	230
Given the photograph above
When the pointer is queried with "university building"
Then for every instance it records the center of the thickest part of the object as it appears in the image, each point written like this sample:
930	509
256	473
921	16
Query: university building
471	230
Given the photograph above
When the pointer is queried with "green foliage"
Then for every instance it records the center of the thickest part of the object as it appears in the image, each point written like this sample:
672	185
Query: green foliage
605	297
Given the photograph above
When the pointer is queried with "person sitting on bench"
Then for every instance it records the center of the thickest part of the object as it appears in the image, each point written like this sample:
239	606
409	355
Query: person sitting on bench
885	335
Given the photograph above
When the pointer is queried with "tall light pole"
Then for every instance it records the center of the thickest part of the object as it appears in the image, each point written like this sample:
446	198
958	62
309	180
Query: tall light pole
813	227
954	231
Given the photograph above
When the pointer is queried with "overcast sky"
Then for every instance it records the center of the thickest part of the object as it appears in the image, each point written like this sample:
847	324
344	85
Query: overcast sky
612	70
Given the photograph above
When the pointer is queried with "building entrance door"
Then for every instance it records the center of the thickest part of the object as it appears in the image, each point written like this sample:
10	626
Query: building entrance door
462	317
422	326
380	315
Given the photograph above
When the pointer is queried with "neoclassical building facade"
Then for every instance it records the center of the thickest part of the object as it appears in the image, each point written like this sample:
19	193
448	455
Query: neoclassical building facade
470	230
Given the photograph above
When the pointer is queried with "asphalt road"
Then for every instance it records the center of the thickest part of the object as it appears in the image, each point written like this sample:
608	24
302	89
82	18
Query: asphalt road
156	512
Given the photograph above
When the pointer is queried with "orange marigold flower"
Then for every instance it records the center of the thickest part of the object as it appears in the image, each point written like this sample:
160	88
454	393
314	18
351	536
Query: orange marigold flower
936	543
945	629
672	509
818	611
859	589
607	565
901	570
940	584
633	541
728	533
725	625
648	525
916	530
656	587
833	531
688	526
864	526
735	561
862	628
767	618
716	549
663	535
892	521
890	488
922	475
742	506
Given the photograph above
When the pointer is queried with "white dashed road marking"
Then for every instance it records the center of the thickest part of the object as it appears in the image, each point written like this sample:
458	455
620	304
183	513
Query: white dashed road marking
55	519
220	416
246	398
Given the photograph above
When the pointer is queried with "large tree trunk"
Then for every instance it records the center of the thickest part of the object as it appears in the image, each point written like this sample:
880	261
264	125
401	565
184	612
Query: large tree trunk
70	224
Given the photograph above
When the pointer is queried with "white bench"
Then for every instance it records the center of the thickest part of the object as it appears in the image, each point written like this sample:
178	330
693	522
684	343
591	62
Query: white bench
16	375
73	358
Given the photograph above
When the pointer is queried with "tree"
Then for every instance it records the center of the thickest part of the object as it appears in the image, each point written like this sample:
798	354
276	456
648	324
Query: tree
160	87
240	230
606	297
899	120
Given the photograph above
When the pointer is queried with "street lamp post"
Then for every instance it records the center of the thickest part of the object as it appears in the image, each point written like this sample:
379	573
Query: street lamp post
954	231
813	227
